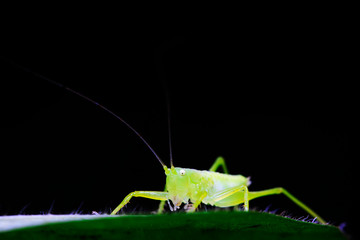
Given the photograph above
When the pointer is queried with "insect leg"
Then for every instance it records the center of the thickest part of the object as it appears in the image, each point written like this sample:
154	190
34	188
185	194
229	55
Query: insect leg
162	204
220	161
197	203
145	194
232	197
280	190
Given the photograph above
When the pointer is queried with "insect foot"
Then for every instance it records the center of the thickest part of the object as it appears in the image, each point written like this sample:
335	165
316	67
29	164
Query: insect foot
189	207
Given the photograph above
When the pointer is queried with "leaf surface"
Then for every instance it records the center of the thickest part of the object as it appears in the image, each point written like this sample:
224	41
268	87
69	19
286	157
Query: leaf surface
201	225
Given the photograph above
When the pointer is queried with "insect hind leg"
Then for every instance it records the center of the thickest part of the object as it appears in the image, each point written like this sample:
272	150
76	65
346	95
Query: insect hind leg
280	190
232	197
220	161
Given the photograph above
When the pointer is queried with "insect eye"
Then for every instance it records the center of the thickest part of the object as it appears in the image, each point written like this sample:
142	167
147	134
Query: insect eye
182	172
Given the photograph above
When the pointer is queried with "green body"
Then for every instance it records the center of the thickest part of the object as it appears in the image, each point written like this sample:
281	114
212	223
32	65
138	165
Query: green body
185	185
193	184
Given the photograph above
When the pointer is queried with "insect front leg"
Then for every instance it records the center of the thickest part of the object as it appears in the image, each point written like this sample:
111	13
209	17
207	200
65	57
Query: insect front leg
162	204
144	194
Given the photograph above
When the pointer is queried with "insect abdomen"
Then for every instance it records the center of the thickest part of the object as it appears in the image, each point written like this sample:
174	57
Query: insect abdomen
223	181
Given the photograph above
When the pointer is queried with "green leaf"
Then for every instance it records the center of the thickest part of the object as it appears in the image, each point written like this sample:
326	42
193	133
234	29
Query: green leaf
201	225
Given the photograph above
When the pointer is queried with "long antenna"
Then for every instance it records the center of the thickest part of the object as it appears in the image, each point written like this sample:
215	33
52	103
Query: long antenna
160	67
94	102
169	127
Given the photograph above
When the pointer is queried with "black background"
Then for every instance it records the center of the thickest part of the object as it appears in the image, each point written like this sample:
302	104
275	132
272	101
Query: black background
272	97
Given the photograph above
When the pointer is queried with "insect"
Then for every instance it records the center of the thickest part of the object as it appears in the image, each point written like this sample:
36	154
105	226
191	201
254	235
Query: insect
209	187
184	185
191	186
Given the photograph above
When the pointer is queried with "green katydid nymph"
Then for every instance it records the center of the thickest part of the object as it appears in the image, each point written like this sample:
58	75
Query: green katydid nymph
184	185
192	187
